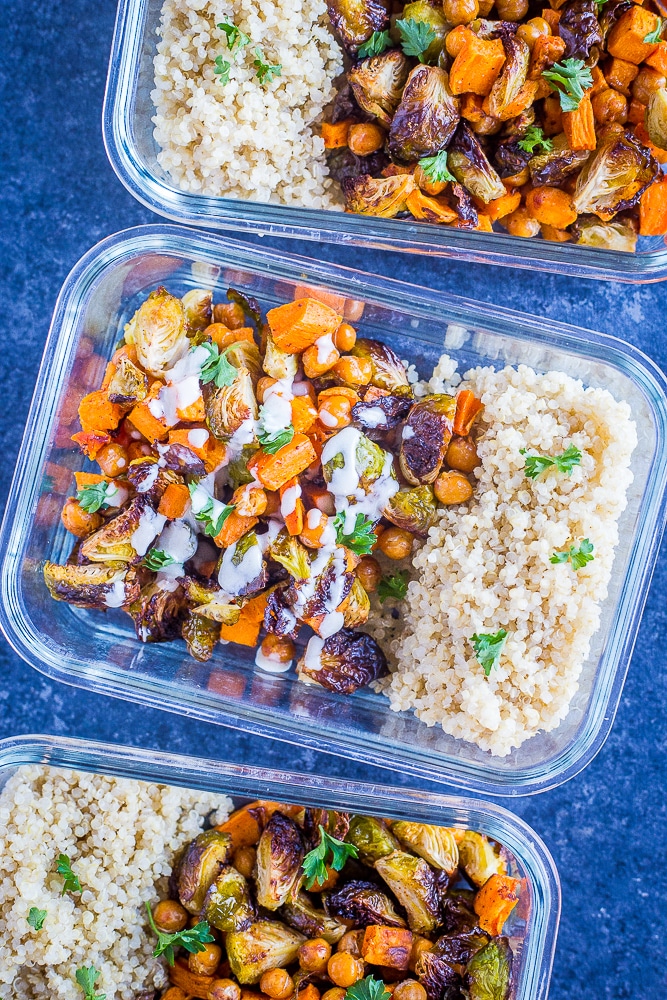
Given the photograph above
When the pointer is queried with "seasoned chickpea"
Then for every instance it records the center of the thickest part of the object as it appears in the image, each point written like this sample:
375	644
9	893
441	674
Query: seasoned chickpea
78	521
520	223
344	969
609	106
175	993
224	989
460	11
512	10
170	916
351	942
229	313
249	500
335	993
277	983
452	487
409	989
264	383
456	39
314	955
462	454
137	449
345	337
419	945
531	30
244	860
396	543
647	82
278	648
112	459
365	138
204	963
335	412
369	573
358	371
309	992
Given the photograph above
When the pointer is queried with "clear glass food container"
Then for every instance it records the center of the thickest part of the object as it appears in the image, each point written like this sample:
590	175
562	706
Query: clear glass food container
99	651
132	150
533	925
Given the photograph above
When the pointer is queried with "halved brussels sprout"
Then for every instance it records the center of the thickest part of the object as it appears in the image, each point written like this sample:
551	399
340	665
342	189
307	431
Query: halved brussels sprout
210	601
380	414
200	866
335	823
372	838
426	436
551	168
413	883
279	619
364	904
228	905
357	605
479	858
128	385
468	163
327	591
656	118
157	330
201	633
415	510
615	176
435	844
512	76
229	406
158	613
267	944
277	363
388	369
580	30
243	354
126	537
509	158
610	13
179	458
428	14
242	568
344	662
426	118
237	470
150	479
279	856
198	309
618	234
300	914
489	972
381	196
356	20
458	914
287	550
351	461
438	976
110	585
377	83
458	950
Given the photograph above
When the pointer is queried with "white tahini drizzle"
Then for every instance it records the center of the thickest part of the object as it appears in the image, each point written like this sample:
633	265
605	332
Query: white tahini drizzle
375	416
182	389
179	541
312	658
150	524
149	479
271	666
289	499
198	437
236	576
115	596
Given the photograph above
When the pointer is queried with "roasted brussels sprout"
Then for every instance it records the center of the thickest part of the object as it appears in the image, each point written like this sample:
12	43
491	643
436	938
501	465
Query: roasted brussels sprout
210	601
415	510
344	662
435	844
341	451
243	354
463	205
279	619
335	823
372	838
228	905
580	30
618	234
437	976
343	163
279	856
201	633
179	458
150	481
357	606
609	14
290	553
377	83
468	163
93	586
428	14
128	385
326	592
426	118
426	436
363	903
459	949
126	537
242	569
479	858
251	307
356	20
198	309
300	914
267	944
509	158
237	470
615	176
229	406
157	330
277	363
381	196
458	914
656	118
158	613
551	168
512	77
488	973
200	866
388	370
413	883
382	413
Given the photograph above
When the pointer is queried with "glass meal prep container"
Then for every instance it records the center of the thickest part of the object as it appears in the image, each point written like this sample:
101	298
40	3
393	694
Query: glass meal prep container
99	651
132	150
533	925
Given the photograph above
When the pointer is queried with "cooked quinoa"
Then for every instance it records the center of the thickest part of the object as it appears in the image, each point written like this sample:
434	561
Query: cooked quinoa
487	567
121	837
244	139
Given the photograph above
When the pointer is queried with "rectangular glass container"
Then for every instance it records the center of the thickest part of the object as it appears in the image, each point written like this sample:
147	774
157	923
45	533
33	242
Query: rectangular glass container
132	150
99	651
533	926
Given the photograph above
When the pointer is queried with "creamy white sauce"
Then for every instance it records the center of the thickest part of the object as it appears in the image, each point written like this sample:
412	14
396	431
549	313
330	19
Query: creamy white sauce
201	496
182	389
243	435
344	480
327	418
275	413
236	578
375	417
408	432
314	518
289	499
312	658
332	622
301	388
115	596
198	437
179	541
325	348
149	479
150	525
271	666
166	579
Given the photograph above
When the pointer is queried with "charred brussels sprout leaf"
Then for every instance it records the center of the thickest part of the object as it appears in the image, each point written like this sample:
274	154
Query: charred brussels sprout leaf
158	332
656	118
384	197
479	858
388	370
210	601
458	915
414	885
377	84
364	904
415	510
469	164
431	422
463	205
201	633
357	606
580	30
458	950
114	541
158	614
426	118
615	176
348	661
227	904
251	307
619	234
300	914
200	866
372	838
198	309
512	78
609	13
381	414
94	586
267	944
287	550
554	165
488	973
227	407
435	844
437	976
510	157
356	20
179	458
128	385
279	857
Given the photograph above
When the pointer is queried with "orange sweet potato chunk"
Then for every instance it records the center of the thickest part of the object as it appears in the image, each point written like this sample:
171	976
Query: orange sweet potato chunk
297	325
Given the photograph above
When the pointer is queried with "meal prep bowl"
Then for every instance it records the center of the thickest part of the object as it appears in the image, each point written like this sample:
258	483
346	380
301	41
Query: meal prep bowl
532	927
99	651
132	150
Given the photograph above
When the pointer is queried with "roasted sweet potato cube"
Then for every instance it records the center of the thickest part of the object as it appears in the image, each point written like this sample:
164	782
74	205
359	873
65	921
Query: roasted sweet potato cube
273	471
476	67
626	38
98	413
495	901
659	59
388	946
297	325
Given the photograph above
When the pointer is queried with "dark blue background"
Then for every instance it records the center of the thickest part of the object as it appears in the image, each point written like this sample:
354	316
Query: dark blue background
58	196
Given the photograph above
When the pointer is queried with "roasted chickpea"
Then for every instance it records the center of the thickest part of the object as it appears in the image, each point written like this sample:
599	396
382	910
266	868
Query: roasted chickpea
357	371
335	993
318	359
512	10
396	543
224	989
409	989
204	963
244	859
277	983
335	412
460	11
314	955
520	223
175	993
426	185
351	941
170	916
309	992
485	7
531	30
112	459
249	500
264	383
609	106
419	945
278	647
452	487
369	573
647	82
137	449
78	521
345	337
344	969
365	138
230	314
456	39
462	454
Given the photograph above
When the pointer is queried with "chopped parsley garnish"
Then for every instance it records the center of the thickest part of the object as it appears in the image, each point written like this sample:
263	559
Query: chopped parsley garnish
265	71
273	442
86	977
216	368
577	555
534	141
330	853
569	79
362	538
435	167
96	496
211	520
367	989
64	868
36	918
193	939
236	39
654	37
395	586
488	649
378	43
416	37
221	70
535	465
156	560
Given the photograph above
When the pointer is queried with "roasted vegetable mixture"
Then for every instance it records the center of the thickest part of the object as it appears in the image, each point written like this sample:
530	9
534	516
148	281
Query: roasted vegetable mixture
551	121
311	903
248	469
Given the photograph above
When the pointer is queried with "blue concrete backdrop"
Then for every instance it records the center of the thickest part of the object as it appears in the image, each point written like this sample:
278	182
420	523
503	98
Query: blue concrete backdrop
58	196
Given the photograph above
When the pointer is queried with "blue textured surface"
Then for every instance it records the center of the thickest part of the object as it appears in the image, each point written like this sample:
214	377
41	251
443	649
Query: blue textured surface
606	828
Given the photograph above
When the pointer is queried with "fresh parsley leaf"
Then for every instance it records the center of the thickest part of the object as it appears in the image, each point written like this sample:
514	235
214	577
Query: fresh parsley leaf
36	918
363	537
315	863
86	977
534	141
535	465
395	586
376	44
265	71
236	39
569	80
655	37
157	559
216	368
213	514
367	989
577	555
96	496
488	648
64	868
194	939
416	36
435	167
271	443
221	69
